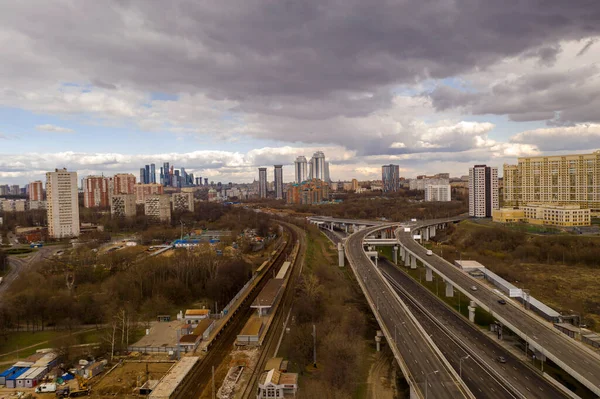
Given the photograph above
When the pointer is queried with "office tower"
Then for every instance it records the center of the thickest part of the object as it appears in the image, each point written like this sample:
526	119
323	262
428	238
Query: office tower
206	181
198	179
95	192
262	182
317	166
152	173
176	181
36	191
166	180
183	202
300	172
390	176
123	183
483	191
571	179
158	207
326	174
63	204
147	174
278	183
141	191
162	176
437	192
142	175
122	206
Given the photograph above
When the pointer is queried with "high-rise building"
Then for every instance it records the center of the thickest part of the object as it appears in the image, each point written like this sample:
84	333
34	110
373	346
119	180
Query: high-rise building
278	183
62	203
571	179
123	183
15	189
122	206
183	202
95	192
437	192
36	191
141	191
483	191
390	177
166	177
354	185
147	174
300	172
317	166
422	181
4	189
206	181
152	173
326	173
158	207
308	192
142	175
262	182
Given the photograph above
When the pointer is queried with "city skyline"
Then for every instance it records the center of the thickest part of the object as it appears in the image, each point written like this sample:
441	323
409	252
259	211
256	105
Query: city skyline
476	94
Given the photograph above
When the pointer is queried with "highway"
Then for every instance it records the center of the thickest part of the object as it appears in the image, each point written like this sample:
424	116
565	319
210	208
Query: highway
427	371
20	265
459	338
584	364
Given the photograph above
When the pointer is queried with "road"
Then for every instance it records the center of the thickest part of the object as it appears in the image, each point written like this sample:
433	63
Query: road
557	346
458	338
427	371
21	265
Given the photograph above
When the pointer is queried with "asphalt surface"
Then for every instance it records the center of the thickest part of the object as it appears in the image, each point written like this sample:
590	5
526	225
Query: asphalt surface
458	338
20	265
427	370
580	359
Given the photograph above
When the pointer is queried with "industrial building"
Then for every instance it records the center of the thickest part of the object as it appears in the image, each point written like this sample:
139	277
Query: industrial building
571	179
62	204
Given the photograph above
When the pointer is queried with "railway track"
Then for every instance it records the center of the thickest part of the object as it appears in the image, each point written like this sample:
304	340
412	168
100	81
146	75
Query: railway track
271	341
200	377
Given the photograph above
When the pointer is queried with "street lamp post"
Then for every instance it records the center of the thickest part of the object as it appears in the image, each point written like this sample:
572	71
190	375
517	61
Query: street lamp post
427	375
460	364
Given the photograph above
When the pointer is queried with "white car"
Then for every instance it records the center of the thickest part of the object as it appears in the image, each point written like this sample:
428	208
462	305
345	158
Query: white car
429	252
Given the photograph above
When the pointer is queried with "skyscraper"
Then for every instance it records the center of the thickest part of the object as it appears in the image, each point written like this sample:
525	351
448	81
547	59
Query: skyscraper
147	174
152	173
262	182
483	191
317	166
300	172
63	205
166	177
142	175
95	192
390	176
278	182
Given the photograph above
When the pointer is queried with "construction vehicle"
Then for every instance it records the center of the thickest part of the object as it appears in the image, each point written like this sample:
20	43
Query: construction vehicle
82	390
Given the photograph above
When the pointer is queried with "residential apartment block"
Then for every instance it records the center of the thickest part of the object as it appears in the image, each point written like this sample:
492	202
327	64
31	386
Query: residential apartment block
123	183
62	205
423	181
141	191
483	191
123	206
95	192
36	191
390	177
437	192
308	192
560	179
158	207
278	183
183	202
544	214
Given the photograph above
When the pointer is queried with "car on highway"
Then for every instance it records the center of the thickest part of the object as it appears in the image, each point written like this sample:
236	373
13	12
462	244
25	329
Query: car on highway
429	252
501	359
501	301
473	288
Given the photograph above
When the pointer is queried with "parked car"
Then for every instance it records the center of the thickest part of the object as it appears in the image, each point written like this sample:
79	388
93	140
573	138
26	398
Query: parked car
501	301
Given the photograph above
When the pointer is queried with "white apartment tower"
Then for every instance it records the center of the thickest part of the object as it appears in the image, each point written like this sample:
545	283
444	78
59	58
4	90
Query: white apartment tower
300	172
62	203
317	166
262	182
278	182
437	192
483	191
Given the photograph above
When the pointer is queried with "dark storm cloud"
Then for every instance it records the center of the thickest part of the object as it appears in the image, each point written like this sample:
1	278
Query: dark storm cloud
307	59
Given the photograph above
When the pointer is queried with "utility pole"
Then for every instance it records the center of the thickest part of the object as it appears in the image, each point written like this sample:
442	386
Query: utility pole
315	346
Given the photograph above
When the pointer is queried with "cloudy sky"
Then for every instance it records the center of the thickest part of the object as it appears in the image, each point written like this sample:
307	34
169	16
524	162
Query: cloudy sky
223	87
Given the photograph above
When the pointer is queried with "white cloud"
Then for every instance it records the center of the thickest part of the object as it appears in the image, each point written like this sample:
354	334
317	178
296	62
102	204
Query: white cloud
53	128
566	138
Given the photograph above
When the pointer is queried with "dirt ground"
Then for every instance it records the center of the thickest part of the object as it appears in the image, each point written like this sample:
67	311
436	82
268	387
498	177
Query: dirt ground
122	380
381	377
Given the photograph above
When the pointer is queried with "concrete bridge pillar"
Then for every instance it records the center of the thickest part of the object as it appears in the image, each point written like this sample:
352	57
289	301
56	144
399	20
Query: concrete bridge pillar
432	232
395	254
472	307
346	228
402	253
425	235
449	289
407	259
413	393
428	274
383	234
340	254
413	262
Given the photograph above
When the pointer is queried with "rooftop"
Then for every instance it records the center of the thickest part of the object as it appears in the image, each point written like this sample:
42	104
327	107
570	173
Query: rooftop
197	312
267	296
173	378
203	326
252	327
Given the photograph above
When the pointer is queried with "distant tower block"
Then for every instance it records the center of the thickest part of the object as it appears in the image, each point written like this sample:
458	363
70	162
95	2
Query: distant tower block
341	254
